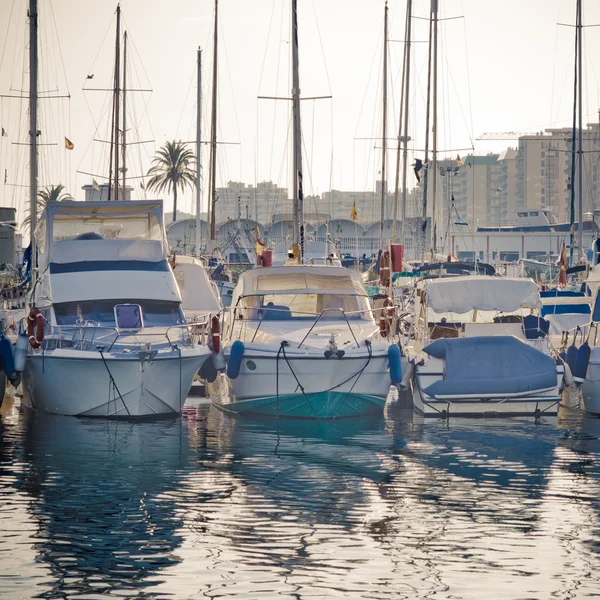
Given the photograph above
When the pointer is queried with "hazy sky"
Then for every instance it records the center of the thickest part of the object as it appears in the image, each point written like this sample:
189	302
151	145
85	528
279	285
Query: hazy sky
505	66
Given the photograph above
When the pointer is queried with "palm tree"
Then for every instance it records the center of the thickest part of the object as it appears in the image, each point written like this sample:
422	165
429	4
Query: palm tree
52	193
171	170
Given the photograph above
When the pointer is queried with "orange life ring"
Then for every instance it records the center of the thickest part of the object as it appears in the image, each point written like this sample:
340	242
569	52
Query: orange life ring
386	317
35	327
215	333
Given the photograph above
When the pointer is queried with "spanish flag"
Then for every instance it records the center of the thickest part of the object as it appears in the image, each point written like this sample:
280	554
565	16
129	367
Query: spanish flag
354	213
69	145
260	246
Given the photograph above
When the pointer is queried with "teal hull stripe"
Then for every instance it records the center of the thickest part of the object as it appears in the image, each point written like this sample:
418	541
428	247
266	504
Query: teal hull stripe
320	405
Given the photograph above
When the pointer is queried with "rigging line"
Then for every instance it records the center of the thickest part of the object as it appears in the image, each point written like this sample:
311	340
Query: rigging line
187	95
262	68
471	132
231	87
277	73
321	44
59	48
8	28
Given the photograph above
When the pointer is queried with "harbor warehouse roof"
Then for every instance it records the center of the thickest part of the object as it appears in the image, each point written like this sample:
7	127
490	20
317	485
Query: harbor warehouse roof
462	294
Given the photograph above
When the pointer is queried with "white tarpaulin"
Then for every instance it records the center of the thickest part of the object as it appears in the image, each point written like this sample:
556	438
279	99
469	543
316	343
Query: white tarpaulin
462	294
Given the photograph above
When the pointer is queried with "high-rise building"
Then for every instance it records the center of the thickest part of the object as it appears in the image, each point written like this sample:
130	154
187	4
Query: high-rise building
258	203
544	171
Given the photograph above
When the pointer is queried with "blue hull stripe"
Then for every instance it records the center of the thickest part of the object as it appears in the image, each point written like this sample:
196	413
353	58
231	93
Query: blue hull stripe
108	265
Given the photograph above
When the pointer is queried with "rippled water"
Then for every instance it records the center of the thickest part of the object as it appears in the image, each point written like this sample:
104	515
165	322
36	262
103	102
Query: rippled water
213	506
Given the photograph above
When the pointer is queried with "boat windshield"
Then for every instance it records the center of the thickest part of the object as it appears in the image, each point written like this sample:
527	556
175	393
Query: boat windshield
106	227
156	313
284	307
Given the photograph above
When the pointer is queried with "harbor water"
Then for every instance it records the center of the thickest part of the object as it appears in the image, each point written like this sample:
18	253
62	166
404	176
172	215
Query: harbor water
213	506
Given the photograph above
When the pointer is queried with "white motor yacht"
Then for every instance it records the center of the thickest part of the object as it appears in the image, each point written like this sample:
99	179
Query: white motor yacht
108	332
481	347
302	341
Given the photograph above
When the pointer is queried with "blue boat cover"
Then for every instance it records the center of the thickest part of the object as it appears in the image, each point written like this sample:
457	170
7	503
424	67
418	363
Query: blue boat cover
490	365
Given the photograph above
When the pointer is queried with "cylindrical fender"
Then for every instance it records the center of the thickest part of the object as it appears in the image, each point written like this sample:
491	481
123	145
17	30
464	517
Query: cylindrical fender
8	360
215	334
20	352
235	359
571	356
581	362
395	361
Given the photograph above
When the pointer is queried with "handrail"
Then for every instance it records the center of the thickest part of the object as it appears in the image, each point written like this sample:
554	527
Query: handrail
61	332
319	318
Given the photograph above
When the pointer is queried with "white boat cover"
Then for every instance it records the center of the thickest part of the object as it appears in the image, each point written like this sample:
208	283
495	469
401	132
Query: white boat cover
462	294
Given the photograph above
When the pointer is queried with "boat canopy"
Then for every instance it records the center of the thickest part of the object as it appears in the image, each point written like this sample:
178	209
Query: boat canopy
198	297
71	231
463	294
298	279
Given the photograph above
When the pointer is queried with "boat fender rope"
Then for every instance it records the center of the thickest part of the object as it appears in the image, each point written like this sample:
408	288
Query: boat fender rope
35	328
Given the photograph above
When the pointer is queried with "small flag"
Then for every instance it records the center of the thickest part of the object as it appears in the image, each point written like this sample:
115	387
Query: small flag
95	185
562	265
69	145
142	186
459	162
418	166
4	134
354	213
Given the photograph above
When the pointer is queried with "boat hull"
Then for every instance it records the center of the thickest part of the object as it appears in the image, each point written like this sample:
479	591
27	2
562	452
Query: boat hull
81	383
305	385
545	402
591	386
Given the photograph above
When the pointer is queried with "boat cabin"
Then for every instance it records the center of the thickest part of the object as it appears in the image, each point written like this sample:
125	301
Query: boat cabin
300	292
93	256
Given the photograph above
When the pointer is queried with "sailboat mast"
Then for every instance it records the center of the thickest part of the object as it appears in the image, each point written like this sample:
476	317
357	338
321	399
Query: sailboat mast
33	129
198	152
405	132
297	138
116	103
580	135
403	102
384	129
434	9
124	131
213	134
574	139
427	119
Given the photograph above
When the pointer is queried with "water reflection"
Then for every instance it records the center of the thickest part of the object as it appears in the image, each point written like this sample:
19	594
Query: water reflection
214	506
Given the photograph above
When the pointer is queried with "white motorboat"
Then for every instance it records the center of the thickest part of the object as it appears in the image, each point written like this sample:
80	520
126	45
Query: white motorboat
481	348
111	339
302	341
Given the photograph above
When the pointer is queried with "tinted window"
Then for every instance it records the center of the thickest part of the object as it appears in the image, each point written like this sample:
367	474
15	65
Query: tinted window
155	312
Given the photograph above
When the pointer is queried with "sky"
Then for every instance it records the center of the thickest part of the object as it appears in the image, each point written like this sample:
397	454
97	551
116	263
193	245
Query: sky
504	66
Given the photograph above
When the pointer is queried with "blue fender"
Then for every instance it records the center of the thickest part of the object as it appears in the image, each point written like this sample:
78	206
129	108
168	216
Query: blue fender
208	371
6	352
581	362
572	356
395	360
235	359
